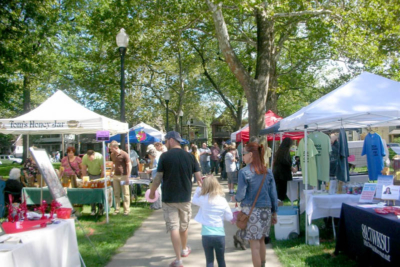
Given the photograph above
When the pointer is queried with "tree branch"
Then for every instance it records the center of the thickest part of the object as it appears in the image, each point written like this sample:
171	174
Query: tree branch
231	58
302	13
229	105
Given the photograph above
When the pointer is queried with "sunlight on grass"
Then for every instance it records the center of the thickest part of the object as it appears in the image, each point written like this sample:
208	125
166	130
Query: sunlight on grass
295	253
107	238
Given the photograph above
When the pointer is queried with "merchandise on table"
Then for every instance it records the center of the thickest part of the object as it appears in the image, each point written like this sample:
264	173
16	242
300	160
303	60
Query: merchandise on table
98	183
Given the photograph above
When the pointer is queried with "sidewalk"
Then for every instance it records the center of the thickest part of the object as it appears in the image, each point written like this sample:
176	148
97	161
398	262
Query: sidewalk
151	245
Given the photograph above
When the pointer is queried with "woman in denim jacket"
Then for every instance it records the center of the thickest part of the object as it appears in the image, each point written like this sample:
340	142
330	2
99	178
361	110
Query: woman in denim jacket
264	212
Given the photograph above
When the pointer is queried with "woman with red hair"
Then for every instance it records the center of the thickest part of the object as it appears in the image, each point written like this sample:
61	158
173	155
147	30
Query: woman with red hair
264	212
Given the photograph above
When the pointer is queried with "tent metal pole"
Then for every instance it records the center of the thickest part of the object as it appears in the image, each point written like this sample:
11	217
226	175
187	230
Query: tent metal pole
273	152
27	145
280	135
129	145
306	177
63	146
105	180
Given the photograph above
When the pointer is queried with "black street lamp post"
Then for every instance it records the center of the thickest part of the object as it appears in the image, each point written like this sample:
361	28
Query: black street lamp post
166	98
122	42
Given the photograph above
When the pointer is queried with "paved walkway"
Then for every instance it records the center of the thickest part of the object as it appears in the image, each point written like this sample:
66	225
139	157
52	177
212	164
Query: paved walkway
151	245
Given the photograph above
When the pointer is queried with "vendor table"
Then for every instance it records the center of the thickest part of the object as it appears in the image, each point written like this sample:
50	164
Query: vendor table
370	238
134	181
82	196
324	205
54	245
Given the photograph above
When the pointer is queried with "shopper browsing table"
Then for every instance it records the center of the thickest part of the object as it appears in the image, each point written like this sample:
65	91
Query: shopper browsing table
92	166
283	168
120	172
175	169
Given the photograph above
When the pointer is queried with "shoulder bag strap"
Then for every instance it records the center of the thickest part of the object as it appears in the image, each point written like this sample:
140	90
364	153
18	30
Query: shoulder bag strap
258	193
74	169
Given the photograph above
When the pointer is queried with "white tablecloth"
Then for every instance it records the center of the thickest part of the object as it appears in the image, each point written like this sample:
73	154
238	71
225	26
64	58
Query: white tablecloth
55	245
321	206
292	190
137	181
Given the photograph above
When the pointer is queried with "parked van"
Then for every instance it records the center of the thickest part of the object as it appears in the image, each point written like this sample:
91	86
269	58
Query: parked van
6	159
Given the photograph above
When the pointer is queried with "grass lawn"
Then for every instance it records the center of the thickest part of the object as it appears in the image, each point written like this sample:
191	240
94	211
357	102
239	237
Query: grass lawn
295	252
107	238
6	168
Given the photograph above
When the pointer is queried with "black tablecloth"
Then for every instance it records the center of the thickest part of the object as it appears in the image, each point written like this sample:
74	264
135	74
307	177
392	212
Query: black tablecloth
370	238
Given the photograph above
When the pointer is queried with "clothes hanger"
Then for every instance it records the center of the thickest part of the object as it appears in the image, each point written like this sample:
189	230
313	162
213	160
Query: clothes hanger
369	129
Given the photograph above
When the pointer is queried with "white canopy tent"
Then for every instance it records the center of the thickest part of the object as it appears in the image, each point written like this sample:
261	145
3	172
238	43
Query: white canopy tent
60	114
367	100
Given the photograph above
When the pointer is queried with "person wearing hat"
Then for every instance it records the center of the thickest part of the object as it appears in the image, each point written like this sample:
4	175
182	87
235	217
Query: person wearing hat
120	172
175	169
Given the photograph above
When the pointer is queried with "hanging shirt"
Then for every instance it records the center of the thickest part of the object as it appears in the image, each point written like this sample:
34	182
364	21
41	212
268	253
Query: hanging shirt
373	148
342	167
334	157
311	164
322	143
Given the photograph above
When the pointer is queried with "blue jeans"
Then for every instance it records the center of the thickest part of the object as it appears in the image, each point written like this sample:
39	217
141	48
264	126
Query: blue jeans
211	243
214	166
205	167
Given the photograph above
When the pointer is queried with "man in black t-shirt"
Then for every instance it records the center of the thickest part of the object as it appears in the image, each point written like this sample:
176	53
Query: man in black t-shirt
175	170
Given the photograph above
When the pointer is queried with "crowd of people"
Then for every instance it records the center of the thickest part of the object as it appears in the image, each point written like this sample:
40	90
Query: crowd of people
174	169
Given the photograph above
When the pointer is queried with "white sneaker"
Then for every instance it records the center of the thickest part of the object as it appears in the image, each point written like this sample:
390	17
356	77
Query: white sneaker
93	213
176	263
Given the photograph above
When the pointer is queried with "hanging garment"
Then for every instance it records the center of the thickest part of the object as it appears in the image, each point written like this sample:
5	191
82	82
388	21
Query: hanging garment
373	148
342	167
334	157
322	143
311	164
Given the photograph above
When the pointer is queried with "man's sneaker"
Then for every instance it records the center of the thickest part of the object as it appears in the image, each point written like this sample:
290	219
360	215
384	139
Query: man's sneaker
186	252
93	213
176	263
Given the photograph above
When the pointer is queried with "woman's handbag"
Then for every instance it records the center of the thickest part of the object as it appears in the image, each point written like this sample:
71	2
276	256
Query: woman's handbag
243	218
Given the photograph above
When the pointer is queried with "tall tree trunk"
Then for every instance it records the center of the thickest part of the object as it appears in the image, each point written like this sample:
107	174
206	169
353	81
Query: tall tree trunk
272	101
256	89
239	115
272	97
256	104
27	107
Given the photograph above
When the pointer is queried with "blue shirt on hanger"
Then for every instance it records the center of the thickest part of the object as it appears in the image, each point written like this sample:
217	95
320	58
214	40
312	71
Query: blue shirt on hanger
373	148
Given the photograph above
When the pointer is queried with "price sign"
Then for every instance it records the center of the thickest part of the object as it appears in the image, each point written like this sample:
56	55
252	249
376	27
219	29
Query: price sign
102	135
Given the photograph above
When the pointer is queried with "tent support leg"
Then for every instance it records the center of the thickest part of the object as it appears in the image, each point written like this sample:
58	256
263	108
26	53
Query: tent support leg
306	178
105	181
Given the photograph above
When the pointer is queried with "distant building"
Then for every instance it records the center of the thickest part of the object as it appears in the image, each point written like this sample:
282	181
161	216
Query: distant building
195	131
220	131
